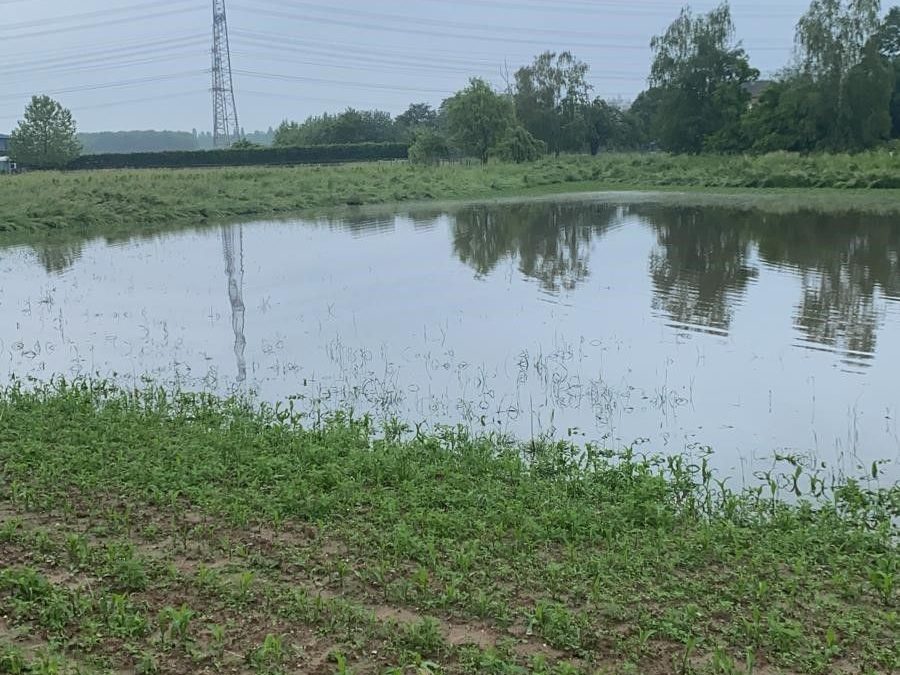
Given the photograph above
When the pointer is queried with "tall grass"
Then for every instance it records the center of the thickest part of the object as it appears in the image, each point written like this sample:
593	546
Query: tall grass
54	201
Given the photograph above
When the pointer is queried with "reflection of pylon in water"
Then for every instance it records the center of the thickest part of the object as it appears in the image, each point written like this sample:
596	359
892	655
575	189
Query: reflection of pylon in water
233	247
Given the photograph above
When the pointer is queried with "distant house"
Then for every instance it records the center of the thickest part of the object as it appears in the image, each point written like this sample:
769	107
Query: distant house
756	89
6	166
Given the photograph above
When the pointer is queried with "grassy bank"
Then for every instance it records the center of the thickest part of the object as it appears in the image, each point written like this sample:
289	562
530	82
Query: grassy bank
166	533
42	202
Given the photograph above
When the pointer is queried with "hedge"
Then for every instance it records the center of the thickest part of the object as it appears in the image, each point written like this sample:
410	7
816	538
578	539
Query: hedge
313	154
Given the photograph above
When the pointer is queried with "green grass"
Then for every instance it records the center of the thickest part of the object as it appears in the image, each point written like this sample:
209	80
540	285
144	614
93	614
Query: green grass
178	532
48	202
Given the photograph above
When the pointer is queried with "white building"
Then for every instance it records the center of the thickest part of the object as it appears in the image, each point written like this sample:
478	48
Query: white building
5	164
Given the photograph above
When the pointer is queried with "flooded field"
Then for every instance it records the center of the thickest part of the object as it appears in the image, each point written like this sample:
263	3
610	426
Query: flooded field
668	328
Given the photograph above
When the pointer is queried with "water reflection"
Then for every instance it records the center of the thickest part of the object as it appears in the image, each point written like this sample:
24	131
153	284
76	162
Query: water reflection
551	242
233	250
845	262
560	317
706	259
702	267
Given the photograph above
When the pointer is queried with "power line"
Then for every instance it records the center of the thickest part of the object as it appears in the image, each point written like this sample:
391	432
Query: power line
321	80
595	7
98	24
89	15
396	24
357	53
111	62
103	54
111	85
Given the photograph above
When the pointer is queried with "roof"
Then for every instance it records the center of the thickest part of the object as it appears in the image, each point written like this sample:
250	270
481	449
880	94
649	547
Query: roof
757	87
7	137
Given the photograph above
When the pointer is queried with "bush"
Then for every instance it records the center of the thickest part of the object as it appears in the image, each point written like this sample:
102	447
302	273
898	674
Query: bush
429	148
318	154
518	145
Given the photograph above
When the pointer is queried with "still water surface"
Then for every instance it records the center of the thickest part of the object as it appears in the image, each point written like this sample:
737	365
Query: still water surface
670	327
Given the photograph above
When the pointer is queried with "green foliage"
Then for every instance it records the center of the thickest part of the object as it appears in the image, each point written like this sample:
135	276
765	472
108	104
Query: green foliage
868	92
551	97
700	77
349	127
832	36
240	155
478	117
418	117
244	144
45	139
609	127
788	116
605	556
518	146
122	203
429	147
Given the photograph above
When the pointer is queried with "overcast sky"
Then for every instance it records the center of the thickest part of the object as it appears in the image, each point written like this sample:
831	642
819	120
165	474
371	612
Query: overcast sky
140	64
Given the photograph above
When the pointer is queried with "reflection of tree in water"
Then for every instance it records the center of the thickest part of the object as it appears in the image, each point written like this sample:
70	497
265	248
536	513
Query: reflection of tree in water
363	223
700	268
551	241
843	260
56	258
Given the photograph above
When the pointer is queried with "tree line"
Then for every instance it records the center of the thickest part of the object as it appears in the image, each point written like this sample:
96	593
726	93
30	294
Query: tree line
841	92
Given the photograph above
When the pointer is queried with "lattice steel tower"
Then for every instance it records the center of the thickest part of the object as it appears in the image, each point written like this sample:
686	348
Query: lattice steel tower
226	129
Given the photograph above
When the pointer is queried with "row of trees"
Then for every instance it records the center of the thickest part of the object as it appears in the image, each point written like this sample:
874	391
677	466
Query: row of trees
842	92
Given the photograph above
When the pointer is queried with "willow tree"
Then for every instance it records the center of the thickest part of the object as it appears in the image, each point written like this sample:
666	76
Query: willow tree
551	98
837	50
478	118
700	73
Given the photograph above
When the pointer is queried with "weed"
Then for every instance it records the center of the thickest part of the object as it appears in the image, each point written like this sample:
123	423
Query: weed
176	623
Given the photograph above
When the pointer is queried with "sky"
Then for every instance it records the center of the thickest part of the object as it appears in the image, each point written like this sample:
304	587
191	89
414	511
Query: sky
142	64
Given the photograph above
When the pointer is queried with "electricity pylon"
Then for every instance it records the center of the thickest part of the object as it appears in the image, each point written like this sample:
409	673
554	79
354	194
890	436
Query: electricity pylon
226	129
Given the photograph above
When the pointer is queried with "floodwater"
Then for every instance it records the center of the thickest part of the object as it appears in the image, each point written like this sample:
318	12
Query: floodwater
669	328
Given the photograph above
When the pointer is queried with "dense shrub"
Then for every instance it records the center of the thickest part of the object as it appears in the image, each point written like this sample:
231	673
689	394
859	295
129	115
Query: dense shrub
518	145
429	148
320	154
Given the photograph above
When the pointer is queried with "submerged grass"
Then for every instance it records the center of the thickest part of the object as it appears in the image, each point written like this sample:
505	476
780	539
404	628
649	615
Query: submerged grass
186	533
42	202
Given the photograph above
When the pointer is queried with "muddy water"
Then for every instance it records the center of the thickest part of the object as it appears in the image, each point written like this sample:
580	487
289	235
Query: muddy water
669	328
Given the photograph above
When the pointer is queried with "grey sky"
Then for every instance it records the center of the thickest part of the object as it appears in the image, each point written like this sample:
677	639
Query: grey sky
137	64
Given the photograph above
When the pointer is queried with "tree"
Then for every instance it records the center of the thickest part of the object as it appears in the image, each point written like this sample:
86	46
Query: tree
518	145
888	45
787	116
45	139
417	116
551	96
610	127
832	37
868	93
478	117
429	147
350	126
700	74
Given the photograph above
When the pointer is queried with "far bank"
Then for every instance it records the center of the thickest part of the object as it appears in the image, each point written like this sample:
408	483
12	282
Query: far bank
49	202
